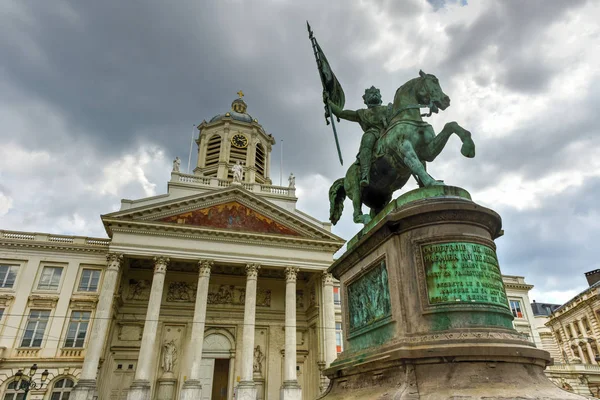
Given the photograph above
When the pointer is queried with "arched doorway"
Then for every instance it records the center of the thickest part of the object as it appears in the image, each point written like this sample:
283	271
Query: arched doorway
217	365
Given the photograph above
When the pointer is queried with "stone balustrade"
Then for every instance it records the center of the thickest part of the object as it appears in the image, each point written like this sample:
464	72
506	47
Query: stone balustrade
64	239
208	182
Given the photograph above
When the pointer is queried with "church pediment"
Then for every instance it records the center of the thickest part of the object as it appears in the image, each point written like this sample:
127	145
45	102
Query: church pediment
232	215
232	211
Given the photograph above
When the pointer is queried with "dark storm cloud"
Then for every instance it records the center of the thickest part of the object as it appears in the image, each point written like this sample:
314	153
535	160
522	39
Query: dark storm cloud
99	81
513	31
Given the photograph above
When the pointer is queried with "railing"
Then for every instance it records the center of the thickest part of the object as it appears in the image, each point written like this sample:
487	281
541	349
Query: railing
71	353
222	183
28	353
574	367
45	237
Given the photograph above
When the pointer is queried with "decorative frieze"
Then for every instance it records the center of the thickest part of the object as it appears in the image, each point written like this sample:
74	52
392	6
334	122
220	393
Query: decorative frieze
42	301
139	289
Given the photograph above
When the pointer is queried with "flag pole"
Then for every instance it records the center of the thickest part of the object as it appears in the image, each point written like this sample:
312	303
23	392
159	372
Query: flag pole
191	146
281	164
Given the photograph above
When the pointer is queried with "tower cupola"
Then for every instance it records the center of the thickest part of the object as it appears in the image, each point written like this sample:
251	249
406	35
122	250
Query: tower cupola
231	137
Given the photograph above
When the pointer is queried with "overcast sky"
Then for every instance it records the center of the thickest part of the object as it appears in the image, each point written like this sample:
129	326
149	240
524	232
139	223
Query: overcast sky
97	98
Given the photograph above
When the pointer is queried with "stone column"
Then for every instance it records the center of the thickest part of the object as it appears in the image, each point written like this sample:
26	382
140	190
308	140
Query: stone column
329	319
87	384
192	389
140	388
246	390
290	389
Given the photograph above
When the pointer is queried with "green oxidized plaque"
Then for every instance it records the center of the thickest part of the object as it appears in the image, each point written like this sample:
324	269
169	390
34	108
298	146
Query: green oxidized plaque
463	272
369	298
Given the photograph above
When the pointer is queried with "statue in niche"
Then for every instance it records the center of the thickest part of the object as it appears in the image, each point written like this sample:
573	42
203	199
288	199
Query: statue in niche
299	299
169	356
176	164
139	290
238	172
258	359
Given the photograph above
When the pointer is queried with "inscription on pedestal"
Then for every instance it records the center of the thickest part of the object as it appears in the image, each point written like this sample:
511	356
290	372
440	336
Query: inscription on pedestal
369	297
463	272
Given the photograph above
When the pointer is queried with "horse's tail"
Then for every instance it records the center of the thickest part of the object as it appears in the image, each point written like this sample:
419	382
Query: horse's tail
337	194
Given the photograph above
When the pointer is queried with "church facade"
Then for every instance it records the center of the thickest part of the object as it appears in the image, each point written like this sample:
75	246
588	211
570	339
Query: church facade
215	290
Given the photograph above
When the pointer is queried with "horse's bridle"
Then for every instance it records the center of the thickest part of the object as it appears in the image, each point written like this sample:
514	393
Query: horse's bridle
415	106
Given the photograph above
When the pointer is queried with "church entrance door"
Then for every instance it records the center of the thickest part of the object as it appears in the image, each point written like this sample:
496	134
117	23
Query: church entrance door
216	367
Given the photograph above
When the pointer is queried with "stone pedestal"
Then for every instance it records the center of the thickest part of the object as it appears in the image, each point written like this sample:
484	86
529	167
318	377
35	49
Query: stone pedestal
425	312
246	390
139	390
165	388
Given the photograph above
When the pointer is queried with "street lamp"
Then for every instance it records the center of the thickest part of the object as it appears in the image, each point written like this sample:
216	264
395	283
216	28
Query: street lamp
27	384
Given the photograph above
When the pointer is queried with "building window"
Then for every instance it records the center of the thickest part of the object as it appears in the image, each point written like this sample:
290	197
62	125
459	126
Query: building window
336	296
259	160
50	278
78	326
338	337
586	324
89	280
8	275
62	389
12	392
515	307
35	328
1	313
577	331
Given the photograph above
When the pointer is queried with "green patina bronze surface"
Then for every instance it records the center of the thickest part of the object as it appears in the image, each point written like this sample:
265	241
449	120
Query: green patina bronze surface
406	198
369	298
463	272
396	142
396	145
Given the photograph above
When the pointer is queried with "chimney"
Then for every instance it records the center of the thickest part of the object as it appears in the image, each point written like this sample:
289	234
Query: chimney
593	276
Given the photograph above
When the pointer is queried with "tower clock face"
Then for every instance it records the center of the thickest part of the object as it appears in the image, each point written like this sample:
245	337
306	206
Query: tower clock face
240	141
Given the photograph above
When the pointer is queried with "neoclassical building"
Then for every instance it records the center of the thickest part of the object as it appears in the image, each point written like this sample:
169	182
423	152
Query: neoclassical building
214	290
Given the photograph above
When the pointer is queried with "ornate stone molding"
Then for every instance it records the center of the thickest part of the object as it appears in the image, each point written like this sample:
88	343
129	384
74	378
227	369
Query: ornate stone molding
114	261
83	302
160	264
291	273
6	299
204	267
327	278
43	301
252	271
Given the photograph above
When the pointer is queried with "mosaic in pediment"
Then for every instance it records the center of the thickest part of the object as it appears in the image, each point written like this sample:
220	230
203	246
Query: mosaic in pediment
234	216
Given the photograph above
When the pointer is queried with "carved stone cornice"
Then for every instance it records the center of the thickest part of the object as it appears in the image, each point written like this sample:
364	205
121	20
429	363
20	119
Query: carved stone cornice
252	271
204	267
291	274
160	264
43	301
80	302
6	299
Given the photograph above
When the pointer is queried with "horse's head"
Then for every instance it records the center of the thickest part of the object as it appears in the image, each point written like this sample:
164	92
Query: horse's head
430	92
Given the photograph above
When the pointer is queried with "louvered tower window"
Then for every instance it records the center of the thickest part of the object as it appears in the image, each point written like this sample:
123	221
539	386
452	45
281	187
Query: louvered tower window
213	148
259	161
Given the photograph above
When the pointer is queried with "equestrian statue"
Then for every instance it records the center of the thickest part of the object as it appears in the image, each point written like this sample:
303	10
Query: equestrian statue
396	143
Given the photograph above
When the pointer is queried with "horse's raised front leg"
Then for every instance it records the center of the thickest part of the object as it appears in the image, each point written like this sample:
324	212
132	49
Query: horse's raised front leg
411	160
436	146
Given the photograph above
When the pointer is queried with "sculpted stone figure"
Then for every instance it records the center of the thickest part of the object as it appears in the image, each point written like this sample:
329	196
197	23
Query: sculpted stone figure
176	164
258	359
238	172
169	356
292	181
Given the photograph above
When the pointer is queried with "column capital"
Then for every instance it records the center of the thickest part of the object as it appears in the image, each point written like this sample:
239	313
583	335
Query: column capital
252	270
327	278
291	274
204	267
114	261
160	264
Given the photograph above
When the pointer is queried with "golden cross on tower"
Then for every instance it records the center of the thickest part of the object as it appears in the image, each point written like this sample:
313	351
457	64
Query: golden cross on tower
241	94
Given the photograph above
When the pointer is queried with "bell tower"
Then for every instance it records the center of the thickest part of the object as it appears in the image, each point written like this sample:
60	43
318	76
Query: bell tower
232	137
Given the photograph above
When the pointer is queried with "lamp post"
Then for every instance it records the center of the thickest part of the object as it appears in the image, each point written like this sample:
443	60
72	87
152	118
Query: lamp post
27	384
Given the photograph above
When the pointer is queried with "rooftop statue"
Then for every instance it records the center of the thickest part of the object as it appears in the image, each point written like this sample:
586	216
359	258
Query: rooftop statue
396	143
